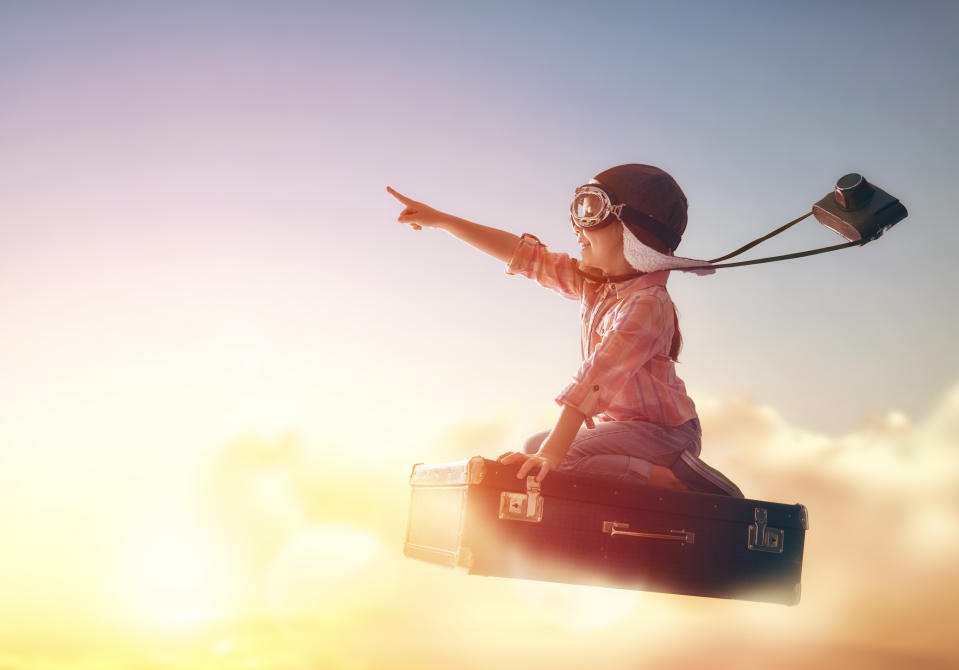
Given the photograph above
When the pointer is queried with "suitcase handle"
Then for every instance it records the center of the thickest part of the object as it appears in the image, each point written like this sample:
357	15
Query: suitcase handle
618	528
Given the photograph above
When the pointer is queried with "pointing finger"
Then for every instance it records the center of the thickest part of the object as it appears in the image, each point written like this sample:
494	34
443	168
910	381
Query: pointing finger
399	196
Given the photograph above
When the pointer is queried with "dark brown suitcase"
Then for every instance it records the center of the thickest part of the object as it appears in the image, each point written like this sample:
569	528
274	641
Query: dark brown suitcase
583	529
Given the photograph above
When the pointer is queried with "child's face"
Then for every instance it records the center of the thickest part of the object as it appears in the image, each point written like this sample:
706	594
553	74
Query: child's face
602	247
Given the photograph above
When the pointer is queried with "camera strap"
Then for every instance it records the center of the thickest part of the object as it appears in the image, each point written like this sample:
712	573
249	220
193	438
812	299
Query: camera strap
714	263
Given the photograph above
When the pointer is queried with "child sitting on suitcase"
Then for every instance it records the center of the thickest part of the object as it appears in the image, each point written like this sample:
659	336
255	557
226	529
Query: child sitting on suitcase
626	413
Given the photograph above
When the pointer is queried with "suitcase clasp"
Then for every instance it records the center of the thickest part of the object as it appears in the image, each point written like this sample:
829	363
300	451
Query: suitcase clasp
762	538
522	506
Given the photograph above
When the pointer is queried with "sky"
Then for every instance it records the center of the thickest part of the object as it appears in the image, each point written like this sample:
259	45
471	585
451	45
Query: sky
221	354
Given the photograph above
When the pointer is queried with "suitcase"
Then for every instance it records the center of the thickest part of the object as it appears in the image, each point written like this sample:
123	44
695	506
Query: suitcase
585	529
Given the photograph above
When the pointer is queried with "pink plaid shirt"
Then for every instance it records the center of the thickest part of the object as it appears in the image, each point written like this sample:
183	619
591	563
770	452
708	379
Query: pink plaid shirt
627	330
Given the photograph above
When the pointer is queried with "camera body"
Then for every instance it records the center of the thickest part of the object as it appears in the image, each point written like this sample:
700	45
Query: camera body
858	210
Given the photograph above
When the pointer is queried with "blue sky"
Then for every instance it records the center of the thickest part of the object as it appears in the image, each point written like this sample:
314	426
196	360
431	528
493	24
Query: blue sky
249	144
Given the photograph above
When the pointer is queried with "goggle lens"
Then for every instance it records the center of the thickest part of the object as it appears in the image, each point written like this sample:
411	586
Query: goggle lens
590	207
587	206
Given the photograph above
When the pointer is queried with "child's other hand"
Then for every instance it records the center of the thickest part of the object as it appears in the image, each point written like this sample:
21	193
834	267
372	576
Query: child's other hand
530	463
416	214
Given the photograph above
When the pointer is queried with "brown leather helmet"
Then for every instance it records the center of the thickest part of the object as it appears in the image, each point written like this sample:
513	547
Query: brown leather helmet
656	194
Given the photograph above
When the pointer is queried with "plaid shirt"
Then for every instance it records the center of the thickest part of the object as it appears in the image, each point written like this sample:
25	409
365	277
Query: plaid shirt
627	330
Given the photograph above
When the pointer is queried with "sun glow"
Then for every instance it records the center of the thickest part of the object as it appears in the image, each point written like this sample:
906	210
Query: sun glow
577	607
175	578
324	570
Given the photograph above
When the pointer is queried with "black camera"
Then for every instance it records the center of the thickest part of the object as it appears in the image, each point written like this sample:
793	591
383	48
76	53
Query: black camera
858	210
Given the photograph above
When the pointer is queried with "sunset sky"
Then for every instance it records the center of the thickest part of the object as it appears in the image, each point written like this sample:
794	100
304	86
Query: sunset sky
220	354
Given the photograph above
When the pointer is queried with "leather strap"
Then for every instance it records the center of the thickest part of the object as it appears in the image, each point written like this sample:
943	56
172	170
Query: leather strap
654	226
761	239
784	257
714	263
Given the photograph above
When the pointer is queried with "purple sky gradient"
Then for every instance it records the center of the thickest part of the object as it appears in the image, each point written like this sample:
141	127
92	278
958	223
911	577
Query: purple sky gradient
235	154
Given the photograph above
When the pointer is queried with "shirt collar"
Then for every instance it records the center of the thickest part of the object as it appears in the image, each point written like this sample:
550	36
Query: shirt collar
626	286
622	288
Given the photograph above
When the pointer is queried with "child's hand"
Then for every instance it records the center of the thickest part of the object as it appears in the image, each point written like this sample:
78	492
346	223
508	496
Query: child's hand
416	214
530	462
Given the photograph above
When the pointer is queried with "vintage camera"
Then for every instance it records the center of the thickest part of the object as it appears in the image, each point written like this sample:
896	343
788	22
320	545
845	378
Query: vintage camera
858	210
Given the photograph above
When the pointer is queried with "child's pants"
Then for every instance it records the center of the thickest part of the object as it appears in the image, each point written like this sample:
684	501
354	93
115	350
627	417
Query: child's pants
625	449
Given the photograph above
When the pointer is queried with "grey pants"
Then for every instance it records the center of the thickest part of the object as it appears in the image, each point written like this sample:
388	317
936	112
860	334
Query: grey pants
625	449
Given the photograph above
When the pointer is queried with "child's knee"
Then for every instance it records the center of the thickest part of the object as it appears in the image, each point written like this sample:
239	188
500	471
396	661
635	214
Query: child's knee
534	442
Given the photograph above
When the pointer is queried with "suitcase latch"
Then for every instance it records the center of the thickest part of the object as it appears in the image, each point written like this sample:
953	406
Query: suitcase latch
522	506
763	538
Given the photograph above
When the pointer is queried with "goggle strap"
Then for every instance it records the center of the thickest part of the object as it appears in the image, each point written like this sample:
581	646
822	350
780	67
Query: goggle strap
629	215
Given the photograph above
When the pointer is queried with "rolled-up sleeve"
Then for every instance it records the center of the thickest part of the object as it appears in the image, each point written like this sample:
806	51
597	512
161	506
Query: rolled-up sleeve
551	270
637	334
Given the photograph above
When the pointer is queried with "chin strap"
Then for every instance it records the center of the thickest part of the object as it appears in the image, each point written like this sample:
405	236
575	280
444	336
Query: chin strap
603	278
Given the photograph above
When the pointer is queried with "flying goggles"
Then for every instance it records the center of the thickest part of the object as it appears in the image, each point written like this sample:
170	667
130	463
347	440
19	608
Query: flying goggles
855	209
594	206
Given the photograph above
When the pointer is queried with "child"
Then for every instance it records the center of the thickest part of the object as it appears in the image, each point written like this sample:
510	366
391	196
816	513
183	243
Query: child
626	413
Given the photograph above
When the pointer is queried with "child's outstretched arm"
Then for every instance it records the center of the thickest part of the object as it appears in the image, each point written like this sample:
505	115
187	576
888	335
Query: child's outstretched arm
497	243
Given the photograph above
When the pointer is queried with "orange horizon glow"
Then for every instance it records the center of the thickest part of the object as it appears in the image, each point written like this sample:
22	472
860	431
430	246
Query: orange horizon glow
297	561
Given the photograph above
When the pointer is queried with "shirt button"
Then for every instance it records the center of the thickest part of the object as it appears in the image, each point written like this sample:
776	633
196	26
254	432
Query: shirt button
596	387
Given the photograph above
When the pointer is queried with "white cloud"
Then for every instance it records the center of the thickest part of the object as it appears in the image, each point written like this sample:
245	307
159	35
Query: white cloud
880	551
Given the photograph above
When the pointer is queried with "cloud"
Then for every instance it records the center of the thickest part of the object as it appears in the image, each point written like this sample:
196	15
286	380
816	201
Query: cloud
489	437
884	515
261	495
878	582
879	576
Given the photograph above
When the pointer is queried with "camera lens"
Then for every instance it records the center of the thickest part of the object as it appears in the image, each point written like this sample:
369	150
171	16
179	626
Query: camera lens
852	191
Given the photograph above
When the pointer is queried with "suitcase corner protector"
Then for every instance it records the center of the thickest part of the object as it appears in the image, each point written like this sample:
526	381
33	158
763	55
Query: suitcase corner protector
413	471
464	559
475	470
796	595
